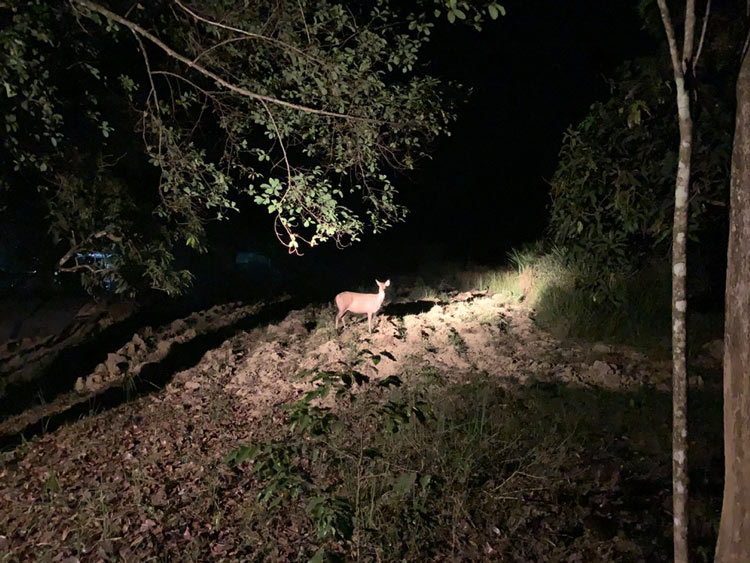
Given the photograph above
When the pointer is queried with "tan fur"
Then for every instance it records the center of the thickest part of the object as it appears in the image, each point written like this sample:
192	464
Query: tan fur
360	303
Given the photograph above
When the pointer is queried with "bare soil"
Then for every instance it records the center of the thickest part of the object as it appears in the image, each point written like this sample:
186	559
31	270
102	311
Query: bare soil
145	480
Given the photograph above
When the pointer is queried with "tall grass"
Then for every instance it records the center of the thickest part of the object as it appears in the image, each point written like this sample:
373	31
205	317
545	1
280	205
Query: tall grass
636	311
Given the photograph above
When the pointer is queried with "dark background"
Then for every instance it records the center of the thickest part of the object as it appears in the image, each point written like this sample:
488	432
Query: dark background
531	74
526	77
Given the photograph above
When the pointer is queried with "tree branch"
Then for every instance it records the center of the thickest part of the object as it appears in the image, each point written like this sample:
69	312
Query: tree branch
79	267
248	34
76	247
703	35
153	89
94	7
689	39
666	18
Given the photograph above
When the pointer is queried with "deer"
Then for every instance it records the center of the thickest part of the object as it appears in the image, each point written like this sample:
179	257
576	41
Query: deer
360	303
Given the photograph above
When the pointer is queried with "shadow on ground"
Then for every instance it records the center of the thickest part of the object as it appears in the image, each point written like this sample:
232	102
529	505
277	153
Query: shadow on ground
81	360
410	308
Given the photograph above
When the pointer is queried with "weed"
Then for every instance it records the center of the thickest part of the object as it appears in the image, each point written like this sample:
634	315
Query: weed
423	293
432	470
130	385
400	328
458	342
635	312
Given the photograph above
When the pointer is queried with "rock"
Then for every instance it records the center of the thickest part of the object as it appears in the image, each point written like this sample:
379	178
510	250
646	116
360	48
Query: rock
138	342
601	348
92	384
162	348
159	498
178	326
79	386
241	379
633	355
114	363
604	374
192	385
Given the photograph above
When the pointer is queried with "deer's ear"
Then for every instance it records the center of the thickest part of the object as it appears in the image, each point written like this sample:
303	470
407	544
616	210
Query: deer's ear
387	283
376	281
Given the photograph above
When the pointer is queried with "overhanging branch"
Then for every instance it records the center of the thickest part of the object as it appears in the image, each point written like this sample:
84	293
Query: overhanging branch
76	247
135	28
247	34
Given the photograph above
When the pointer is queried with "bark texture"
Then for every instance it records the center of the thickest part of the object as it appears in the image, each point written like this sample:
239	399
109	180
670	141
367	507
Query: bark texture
734	532
680	60
679	331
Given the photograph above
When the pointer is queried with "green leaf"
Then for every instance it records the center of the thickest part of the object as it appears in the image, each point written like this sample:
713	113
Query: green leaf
419	414
404	483
388	355
390	381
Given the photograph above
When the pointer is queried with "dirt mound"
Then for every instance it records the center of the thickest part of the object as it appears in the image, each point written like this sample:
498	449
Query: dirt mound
151	471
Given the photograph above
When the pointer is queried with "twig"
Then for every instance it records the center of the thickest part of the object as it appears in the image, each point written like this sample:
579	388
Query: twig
249	34
671	41
689	38
703	35
76	246
204	71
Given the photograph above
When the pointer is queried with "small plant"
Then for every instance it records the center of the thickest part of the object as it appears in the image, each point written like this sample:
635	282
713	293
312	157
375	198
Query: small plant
130	385
458	342
302	465
423	293
400	328
51	485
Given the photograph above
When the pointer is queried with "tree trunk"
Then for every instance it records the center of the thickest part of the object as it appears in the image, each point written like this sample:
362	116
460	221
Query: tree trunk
734	531
679	330
680	61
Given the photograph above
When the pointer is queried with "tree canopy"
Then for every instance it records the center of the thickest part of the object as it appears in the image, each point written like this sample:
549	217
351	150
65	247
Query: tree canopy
132	125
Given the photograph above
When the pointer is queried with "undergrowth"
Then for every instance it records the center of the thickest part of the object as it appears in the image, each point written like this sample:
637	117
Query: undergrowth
429	470
635	310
